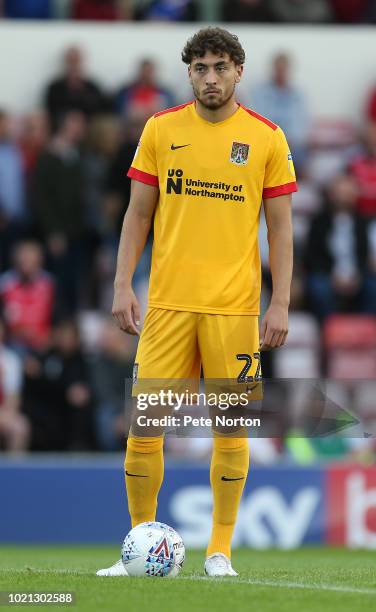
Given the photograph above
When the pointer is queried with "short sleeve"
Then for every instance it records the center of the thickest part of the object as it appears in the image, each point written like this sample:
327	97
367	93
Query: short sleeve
144	164
280	176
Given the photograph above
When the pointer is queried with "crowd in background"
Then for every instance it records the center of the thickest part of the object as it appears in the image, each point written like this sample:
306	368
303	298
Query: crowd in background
256	11
63	195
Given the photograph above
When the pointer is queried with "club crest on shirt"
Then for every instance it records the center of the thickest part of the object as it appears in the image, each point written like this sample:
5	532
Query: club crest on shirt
239	153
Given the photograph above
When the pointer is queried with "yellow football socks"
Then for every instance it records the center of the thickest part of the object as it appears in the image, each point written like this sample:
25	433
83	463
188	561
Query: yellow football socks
144	469
228	473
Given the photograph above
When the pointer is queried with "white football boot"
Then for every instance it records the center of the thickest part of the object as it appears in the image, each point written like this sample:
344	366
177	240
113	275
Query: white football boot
219	565
117	569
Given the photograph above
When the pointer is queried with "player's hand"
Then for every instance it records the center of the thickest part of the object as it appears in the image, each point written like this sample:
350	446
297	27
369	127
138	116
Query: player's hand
274	328
126	311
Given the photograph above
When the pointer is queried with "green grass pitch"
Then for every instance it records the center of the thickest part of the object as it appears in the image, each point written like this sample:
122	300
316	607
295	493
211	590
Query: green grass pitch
301	580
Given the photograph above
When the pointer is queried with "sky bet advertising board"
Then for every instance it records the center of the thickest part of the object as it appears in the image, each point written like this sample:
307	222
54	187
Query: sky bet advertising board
284	507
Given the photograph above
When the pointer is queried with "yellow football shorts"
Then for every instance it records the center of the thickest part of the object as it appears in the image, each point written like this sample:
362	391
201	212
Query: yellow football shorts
175	345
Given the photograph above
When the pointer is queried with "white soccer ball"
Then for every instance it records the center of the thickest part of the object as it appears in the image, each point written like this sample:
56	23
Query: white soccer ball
153	549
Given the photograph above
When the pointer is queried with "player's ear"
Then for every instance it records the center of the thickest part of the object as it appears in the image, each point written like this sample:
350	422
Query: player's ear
239	72
190	73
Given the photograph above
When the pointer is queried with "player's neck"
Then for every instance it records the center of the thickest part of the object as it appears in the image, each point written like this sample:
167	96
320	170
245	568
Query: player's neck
218	114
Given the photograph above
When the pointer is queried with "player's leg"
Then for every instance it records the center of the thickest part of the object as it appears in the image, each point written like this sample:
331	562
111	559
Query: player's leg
222	339
167	352
144	470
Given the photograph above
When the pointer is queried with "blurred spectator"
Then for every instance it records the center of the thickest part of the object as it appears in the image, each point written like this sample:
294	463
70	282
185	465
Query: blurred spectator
370	12
168	10
73	90
12	191
307	201
144	93
337	255
300	11
102	10
32	140
27	9
118	184
363	169
102	147
115	205
11	175
27	298
371	106
372	243
351	11
57	396
14	427
280	101
246	10
95	10
59	201
109	369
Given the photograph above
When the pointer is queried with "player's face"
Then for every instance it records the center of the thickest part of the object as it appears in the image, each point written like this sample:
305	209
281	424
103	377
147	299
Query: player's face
213	79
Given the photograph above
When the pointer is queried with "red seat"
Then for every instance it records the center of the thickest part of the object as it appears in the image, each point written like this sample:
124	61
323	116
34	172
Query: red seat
328	133
350	331
352	364
350	342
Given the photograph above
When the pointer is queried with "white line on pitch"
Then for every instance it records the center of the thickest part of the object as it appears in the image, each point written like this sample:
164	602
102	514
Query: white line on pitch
34	570
288	585
232	580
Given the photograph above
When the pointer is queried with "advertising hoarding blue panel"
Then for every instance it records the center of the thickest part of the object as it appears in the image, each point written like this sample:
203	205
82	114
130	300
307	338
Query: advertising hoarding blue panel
69	502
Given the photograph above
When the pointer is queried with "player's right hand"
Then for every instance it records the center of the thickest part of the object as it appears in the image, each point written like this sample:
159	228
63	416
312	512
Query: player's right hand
126	311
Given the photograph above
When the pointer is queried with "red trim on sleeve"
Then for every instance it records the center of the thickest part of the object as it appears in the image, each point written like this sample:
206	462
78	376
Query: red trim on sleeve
273	192
143	177
272	125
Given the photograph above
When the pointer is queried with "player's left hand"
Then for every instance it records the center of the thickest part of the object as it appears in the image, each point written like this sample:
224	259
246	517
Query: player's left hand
274	327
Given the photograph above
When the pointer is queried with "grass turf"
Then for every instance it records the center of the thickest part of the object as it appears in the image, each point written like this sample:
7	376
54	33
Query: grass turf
308	579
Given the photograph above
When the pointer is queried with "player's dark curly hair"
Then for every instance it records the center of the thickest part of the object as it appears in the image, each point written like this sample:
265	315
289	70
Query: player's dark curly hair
216	40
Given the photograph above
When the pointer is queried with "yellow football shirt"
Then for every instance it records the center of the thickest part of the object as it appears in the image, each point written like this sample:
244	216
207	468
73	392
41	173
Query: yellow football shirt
211	178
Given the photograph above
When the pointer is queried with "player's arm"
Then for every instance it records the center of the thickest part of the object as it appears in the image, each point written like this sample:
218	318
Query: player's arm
136	226
274	326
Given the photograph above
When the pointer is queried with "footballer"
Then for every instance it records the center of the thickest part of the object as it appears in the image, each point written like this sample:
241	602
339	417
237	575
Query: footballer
201	172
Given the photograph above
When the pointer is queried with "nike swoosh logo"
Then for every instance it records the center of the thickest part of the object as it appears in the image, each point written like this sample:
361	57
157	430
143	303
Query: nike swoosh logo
228	479
174	147
138	475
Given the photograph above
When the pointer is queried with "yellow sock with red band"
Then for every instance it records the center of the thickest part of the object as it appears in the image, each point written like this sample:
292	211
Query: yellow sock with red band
144	469
228	473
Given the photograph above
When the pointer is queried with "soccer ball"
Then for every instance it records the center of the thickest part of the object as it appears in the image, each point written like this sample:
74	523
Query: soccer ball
153	549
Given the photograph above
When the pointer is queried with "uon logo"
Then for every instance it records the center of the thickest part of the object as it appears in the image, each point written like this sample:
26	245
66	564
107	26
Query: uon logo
162	549
174	181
